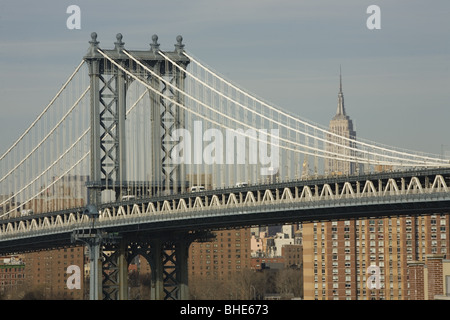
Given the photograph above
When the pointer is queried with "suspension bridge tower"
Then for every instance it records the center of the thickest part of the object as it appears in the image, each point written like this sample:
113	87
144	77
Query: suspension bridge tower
108	88
111	72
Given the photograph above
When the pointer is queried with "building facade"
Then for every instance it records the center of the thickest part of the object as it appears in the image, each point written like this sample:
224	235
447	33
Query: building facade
46	272
342	257
429	279
219	259
12	275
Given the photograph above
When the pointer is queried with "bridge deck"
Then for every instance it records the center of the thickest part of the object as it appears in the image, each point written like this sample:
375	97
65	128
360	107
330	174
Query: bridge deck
350	197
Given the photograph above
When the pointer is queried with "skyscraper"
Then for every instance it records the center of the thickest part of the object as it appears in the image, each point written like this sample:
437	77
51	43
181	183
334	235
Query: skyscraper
341	258
338	145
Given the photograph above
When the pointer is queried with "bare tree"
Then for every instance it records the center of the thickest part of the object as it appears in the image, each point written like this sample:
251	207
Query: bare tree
248	284
289	283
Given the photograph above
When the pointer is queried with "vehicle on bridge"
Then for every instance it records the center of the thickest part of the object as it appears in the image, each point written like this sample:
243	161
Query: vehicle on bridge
241	184
197	188
26	212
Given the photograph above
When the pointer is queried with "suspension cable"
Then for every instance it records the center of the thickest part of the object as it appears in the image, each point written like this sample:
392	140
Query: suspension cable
45	110
219	124
48	135
304	122
420	162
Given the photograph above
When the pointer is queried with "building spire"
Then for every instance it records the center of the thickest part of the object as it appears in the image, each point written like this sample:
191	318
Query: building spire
340	108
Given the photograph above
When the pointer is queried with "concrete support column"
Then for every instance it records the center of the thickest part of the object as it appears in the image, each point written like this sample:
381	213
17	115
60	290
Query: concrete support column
123	271
95	282
182	250
157	290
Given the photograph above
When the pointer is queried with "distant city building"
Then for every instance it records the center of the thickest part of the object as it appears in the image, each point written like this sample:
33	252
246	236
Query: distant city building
338	255
269	241
67	192
45	272
341	125
293	256
8	204
219	259
12	275
262	263
276	247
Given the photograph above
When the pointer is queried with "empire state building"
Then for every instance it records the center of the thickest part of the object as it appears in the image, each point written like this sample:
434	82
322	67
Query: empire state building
339	146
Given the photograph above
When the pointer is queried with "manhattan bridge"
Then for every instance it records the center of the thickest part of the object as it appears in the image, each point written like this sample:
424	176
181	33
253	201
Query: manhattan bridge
144	152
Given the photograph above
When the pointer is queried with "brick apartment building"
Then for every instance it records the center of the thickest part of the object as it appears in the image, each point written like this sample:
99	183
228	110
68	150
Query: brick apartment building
45	272
12	275
429	279
338	254
221	258
339	257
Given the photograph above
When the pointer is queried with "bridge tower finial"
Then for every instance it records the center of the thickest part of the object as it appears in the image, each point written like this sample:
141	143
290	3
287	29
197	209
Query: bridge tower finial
154	45
92	52
179	47
119	43
94	41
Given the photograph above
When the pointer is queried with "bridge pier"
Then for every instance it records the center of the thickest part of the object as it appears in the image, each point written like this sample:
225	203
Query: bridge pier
170	272
95	285
115	271
166	254
92	238
157	290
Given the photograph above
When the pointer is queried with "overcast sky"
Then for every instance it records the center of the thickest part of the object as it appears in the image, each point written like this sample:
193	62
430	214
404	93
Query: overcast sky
396	80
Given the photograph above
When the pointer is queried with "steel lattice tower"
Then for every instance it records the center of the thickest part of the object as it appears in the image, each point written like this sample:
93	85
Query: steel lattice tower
108	89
